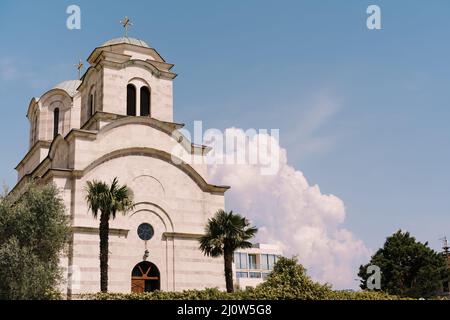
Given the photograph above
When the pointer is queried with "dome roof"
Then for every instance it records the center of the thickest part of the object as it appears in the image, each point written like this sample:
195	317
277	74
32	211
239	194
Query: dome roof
127	40
69	86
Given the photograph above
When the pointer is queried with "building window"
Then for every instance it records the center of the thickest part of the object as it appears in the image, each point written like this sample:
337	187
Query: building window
145	231
272	259
252	261
91	104
55	122
131	100
265	275
255	275
241	275
240	260
145	101
36	128
265	262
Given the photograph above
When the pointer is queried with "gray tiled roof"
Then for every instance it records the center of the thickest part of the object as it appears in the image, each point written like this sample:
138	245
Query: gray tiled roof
70	86
133	41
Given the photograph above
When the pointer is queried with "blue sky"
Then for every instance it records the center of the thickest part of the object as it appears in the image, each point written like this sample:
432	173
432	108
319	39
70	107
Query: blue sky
364	114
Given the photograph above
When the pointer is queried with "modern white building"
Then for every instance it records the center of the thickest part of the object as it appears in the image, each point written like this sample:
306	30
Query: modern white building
117	121
252	266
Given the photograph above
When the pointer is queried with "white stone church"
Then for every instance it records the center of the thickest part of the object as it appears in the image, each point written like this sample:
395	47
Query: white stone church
117	121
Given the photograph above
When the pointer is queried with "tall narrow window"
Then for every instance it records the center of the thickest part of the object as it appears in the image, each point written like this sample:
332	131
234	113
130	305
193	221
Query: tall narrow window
55	122
145	101
35	128
32	133
91	104
265	262
131	100
252	261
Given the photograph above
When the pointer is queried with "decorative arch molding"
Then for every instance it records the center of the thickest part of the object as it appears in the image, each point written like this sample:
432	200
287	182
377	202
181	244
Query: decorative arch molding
161	155
154	67
52	92
57	104
144	64
34	103
168	128
153	178
158	211
135	80
49	98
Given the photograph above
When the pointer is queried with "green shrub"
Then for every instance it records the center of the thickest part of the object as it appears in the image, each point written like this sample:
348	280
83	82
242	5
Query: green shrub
288	281
362	295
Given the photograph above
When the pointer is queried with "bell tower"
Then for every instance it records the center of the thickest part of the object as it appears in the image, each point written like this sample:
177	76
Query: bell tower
129	78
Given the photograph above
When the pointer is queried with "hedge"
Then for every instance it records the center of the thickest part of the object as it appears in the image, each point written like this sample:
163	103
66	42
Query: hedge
287	281
249	294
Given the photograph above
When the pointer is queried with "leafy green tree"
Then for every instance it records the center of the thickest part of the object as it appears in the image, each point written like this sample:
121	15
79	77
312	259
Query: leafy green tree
108	200
289	280
408	268
34	231
225	233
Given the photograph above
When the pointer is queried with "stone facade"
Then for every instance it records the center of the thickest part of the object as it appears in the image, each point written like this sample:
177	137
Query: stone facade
96	139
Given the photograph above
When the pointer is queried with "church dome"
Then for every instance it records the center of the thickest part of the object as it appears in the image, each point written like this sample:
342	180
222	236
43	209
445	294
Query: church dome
69	86
126	40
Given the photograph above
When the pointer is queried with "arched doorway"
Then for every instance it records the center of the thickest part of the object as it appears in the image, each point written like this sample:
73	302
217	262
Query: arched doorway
145	277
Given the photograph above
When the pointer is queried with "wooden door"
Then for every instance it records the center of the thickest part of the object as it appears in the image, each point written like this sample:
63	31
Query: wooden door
137	285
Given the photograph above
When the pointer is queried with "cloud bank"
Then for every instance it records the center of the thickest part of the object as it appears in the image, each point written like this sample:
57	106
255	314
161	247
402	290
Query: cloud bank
292	213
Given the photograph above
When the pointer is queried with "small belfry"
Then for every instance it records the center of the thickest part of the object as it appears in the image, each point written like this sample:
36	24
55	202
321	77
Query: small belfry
126	23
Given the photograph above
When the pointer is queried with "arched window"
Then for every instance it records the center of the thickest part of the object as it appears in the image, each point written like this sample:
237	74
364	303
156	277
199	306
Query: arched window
145	101
35	128
91	104
131	100
55	122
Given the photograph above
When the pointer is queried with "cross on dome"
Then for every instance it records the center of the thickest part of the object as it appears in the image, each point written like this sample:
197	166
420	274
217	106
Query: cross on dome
126	23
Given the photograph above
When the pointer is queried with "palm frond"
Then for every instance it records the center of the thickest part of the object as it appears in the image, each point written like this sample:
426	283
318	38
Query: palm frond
226	231
108	199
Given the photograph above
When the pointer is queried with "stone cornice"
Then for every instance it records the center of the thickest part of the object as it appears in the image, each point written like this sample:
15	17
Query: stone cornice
109	48
94	230
106	116
148	64
106	57
200	149
100	115
47	172
182	235
39	144
80	133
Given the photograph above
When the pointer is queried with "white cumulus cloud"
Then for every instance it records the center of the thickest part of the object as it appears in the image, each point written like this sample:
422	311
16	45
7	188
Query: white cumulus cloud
292	213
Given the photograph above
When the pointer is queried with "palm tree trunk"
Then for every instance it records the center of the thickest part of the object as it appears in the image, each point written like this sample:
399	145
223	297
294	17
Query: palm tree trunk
104	235
228	261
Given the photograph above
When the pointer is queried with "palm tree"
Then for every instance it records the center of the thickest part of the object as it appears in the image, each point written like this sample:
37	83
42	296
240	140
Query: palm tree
107	200
225	233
